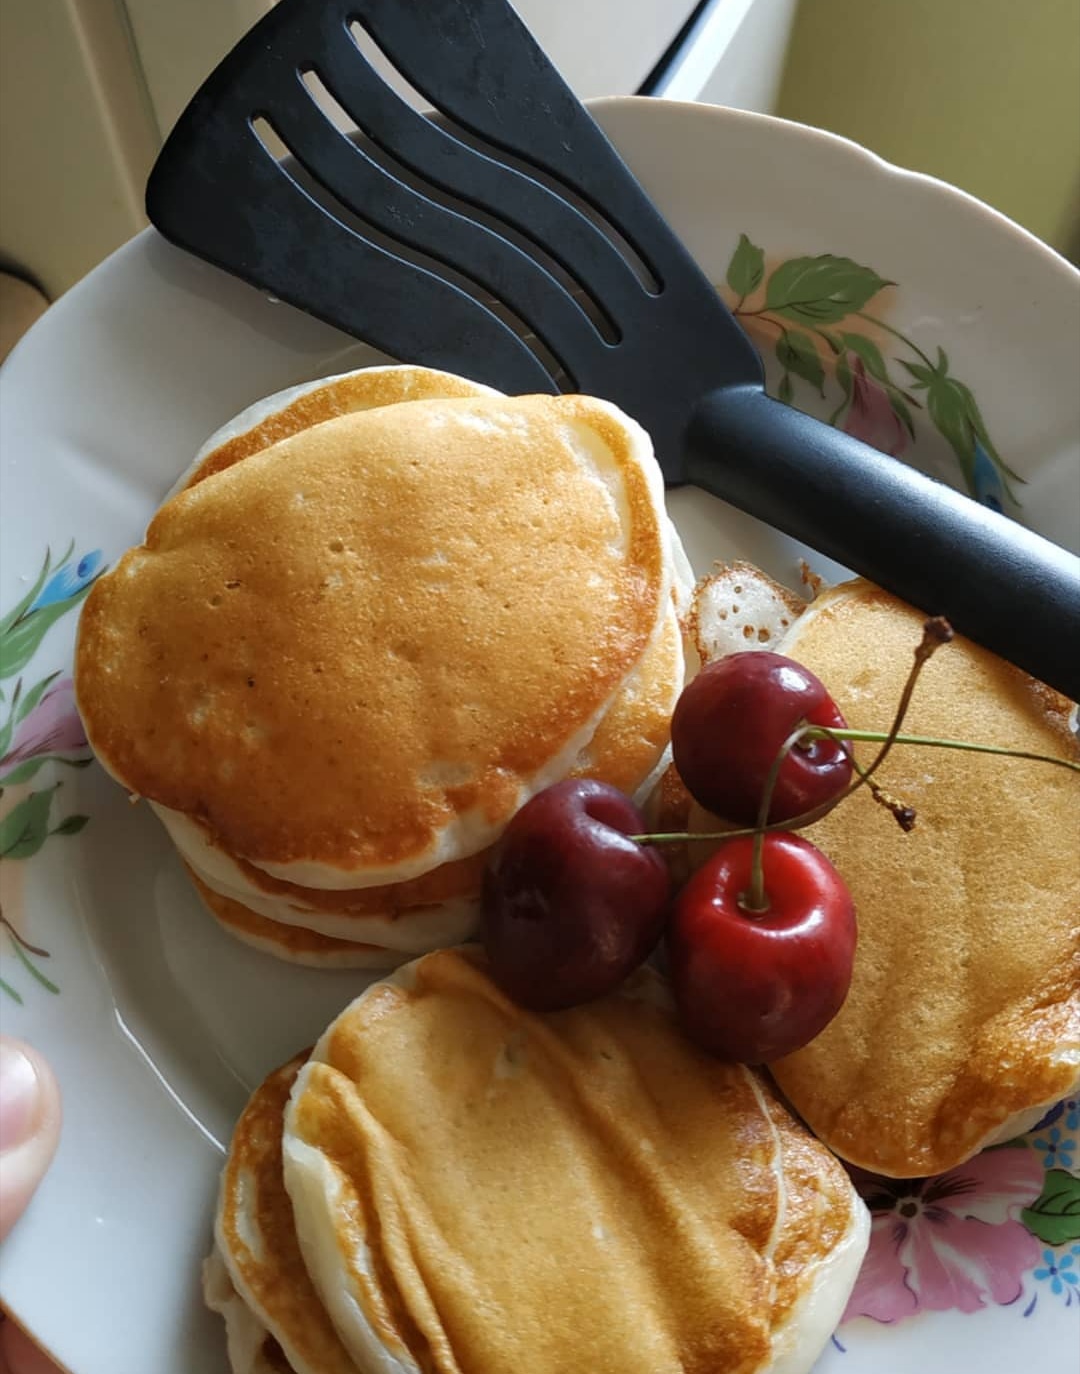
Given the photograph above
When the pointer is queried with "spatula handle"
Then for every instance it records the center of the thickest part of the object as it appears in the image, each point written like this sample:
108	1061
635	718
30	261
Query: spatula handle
995	581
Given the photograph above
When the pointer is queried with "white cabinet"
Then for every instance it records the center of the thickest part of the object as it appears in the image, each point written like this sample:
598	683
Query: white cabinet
88	87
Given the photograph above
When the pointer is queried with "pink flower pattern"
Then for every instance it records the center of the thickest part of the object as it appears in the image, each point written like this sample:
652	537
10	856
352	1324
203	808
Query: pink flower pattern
950	1242
871	416
52	727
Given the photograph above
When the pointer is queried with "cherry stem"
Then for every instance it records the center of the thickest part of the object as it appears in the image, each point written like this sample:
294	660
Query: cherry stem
903	814
684	836
875	736
755	900
936	632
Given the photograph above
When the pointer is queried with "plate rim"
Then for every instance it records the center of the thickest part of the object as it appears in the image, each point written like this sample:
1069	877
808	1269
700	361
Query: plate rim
671	109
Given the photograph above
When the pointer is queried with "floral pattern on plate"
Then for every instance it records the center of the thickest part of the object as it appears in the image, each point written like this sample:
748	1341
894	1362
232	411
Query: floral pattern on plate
1003	1229
40	732
812	313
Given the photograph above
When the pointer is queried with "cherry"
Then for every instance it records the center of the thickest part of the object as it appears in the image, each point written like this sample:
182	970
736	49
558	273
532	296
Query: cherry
570	903
731	722
755	985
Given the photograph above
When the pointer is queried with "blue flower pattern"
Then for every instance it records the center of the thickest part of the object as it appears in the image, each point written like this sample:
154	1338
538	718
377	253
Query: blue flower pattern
66	581
1058	1151
1069	1108
1054	1138
1061	1272
986	480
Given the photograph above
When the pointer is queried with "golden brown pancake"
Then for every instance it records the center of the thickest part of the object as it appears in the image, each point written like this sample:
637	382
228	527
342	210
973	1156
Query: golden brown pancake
450	881
963	1018
251	1348
815	1221
629	742
379	629
255	1236
479	1190
295	944
280	417
633	734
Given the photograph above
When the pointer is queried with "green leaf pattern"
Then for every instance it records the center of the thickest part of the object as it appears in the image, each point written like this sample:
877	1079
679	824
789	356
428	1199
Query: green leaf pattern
747	267
25	771
25	827
60	587
1055	1214
796	352
821	290
815	309
21	642
21	608
868	351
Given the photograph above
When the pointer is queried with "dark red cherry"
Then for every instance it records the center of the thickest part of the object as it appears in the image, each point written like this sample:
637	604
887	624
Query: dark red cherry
729	725
570	903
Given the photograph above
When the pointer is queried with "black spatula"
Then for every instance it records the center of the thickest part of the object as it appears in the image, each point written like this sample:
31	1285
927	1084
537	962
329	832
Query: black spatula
507	241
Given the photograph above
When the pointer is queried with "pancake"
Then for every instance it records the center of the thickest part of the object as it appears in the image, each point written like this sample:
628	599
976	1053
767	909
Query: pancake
439	908
292	943
962	1024
736	607
629	748
255	1243
481	1190
297	408
251	1348
409	929
815	1220
385	632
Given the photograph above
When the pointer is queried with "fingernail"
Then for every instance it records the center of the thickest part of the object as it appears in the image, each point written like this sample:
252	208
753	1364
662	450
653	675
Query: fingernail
20	1098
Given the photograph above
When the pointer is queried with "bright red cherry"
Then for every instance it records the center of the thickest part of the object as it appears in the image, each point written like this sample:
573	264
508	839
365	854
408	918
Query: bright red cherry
729	725
753	986
571	904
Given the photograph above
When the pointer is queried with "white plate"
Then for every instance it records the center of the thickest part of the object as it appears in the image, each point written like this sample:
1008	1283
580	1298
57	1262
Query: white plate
162	1023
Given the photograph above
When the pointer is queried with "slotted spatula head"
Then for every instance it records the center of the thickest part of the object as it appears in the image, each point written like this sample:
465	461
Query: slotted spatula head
380	236
507	241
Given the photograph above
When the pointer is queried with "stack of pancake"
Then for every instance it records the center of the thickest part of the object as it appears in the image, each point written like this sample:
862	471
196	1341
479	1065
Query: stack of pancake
962	1023
380	613
452	1185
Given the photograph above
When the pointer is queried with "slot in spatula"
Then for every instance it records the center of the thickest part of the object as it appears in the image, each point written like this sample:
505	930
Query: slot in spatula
507	241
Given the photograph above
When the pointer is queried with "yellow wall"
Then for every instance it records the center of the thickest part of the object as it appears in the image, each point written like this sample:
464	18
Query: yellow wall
983	93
